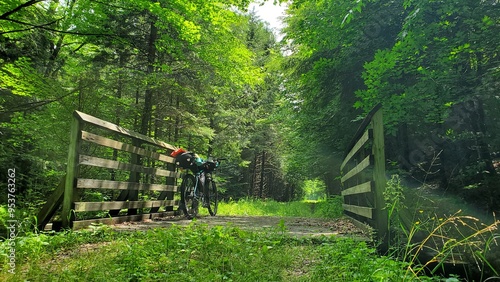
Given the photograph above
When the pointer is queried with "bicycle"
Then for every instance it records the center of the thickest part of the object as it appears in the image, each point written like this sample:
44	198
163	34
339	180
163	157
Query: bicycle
200	177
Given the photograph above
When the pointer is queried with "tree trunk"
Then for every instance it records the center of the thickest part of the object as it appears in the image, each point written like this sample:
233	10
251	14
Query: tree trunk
145	118
254	191
262	174
211	141
479	127
271	192
148	95
177	119
119	92
56	48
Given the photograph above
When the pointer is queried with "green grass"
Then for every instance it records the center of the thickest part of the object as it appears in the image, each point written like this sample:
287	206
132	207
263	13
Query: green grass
197	253
331	208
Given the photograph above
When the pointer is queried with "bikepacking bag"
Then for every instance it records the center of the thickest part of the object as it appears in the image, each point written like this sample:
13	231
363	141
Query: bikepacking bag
185	159
209	166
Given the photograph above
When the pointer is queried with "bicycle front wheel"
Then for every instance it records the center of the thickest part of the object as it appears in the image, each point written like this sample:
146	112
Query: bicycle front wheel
189	201
213	200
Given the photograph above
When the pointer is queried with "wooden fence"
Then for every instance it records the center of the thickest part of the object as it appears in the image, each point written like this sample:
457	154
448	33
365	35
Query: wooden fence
113	175
363	176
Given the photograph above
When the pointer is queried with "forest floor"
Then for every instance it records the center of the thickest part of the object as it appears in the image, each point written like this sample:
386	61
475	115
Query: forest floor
294	226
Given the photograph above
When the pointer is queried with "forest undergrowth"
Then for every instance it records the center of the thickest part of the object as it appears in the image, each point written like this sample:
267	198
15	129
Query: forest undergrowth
198	251
438	233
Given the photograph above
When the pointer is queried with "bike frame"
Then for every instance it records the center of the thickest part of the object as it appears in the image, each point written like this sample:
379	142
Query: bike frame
197	180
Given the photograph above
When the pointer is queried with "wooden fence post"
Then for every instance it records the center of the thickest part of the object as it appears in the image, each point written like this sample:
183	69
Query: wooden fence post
379	178
72	172
51	206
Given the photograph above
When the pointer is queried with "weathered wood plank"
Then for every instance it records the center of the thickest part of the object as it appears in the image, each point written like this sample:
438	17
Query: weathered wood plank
357	169
163	196
105	163
362	211
118	185
362	127
71	172
101	206
166	195
134	176
366	228
378	151
120	219
103	141
359	189
361	142
53	203
118	129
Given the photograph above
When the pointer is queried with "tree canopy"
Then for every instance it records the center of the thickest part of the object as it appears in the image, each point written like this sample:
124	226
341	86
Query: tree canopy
433	66
211	77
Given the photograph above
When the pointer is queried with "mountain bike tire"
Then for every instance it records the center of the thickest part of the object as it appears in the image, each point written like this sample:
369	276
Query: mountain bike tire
213	197
189	201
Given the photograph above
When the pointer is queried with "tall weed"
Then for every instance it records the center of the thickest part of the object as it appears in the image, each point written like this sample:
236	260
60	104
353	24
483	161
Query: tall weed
428	240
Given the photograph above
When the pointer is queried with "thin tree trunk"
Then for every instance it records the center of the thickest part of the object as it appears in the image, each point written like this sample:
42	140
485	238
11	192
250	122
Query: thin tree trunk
479	127
270	186
56	48
148	95
255	176
177	119
262	174
211	141
147	111
119	92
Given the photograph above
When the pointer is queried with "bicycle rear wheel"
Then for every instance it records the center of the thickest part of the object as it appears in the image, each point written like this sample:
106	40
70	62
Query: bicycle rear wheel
189	201
213	197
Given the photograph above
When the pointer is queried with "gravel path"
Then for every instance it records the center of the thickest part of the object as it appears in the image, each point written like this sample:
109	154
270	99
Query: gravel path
295	226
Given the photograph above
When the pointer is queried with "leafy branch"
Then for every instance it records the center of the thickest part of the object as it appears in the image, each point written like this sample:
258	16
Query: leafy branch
45	27
18	8
27	29
35	104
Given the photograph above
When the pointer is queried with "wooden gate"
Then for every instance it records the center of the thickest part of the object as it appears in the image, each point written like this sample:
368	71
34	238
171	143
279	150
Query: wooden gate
113	175
363	176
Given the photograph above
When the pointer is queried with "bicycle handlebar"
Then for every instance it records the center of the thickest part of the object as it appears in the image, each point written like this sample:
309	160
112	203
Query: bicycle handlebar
190	160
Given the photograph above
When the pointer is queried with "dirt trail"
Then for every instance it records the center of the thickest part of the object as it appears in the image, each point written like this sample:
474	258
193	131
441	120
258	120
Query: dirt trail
295	226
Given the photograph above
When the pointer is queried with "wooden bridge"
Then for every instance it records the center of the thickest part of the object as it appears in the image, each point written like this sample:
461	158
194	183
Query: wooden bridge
363	177
116	175
364	183
113	172
105	159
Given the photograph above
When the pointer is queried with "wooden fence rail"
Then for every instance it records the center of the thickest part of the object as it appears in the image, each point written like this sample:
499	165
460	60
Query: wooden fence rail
111	160
363	176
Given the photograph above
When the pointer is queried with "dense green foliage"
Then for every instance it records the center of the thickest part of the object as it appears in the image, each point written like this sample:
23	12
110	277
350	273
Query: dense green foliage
195	74
207	77
434	67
